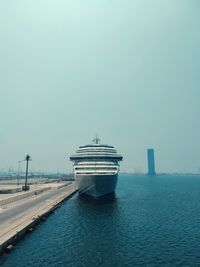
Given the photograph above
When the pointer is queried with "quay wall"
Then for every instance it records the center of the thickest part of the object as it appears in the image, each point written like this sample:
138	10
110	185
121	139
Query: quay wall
22	196
29	224
31	193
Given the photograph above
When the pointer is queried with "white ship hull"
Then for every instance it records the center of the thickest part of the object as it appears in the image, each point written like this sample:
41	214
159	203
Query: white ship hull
96	168
96	185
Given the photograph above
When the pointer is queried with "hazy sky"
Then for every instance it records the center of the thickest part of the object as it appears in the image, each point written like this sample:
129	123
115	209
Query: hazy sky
128	70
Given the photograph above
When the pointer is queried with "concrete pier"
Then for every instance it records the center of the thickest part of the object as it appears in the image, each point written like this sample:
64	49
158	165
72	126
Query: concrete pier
18	217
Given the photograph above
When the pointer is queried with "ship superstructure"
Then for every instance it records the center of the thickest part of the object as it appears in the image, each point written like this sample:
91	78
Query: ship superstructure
96	168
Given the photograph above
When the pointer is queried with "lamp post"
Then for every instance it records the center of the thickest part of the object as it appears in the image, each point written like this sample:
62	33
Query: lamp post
27	159
18	172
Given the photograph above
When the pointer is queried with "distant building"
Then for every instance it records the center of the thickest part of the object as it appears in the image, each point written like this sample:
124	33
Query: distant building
151	163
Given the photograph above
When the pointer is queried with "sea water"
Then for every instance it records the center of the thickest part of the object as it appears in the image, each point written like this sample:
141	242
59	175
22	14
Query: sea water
151	221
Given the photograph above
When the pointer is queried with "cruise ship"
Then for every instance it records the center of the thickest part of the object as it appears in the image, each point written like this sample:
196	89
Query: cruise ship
96	168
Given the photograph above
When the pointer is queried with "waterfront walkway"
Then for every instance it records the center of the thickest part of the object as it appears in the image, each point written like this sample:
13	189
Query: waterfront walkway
18	216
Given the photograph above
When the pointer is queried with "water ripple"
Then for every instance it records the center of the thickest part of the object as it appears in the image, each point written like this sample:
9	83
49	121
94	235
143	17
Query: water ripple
152	221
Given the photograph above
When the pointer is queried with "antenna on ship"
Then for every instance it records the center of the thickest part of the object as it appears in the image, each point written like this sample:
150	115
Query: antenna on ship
96	140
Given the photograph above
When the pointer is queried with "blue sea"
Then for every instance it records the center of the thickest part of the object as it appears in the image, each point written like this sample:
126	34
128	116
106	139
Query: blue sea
151	221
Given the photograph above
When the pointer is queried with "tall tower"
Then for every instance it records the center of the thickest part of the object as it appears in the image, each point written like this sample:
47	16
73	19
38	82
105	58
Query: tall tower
151	163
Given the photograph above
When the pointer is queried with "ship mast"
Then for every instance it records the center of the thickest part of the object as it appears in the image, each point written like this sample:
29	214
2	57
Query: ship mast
96	140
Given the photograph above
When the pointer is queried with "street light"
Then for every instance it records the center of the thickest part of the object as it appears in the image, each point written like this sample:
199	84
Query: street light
19	169
27	159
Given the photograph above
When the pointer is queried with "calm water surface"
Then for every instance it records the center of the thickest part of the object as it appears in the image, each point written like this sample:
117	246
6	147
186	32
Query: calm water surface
152	221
